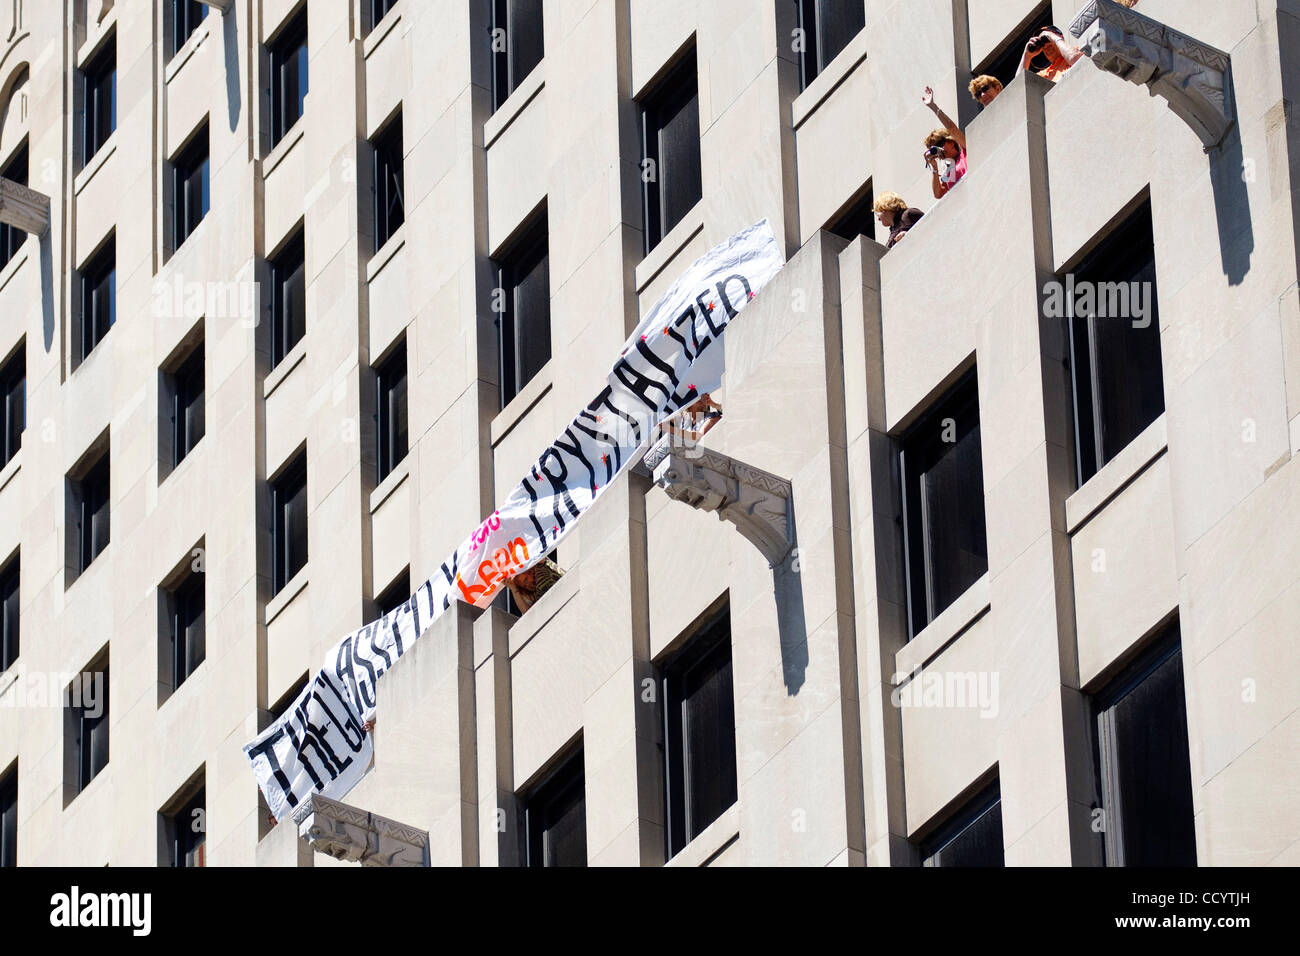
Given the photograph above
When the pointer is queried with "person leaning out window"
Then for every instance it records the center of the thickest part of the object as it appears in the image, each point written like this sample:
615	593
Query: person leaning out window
985	89
945	150
895	215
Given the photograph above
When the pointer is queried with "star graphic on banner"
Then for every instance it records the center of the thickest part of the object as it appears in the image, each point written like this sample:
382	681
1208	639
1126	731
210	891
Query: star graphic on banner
710	305
605	459
643	338
665	330
751	295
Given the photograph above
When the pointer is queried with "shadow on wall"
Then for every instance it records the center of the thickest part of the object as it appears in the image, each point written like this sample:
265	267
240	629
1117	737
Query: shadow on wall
230	42
47	289
787	586
1232	207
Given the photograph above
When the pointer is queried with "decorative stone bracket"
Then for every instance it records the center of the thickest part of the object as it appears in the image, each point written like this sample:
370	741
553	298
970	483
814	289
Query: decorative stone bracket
219	5
24	208
756	502
349	833
1194	78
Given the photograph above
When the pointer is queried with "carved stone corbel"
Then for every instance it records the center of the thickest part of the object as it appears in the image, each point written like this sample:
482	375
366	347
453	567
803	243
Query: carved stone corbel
349	833
1193	78
24	208
755	501
221	6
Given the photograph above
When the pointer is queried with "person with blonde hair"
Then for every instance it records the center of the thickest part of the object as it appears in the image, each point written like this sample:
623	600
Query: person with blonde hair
946	145
985	89
895	215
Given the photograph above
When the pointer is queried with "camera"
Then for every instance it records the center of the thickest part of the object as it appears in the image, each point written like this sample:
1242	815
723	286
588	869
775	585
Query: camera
1037	43
935	151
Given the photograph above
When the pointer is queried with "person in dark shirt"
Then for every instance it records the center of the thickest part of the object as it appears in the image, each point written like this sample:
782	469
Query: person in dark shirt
895	215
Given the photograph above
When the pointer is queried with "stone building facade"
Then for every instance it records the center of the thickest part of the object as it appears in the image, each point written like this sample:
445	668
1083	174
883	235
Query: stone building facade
299	216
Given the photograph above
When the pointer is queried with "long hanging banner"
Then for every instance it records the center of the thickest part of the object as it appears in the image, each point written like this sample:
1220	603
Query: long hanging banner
674	356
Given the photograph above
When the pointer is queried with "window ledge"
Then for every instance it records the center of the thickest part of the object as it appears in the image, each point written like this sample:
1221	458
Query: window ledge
83	178
952	622
7	680
381	30
515	103
658	258
828	80
95	33
392	481
522	403
531	622
13	265
386	254
715	838
1116	474
283	148
187	50
8	472
97	562
297	584
277	375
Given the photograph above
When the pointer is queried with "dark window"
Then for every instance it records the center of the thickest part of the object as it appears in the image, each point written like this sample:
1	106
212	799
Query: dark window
9	578
289	533
555	818
9	819
187	406
186	17
699	733
390	209
187	830
378	9
1114	345
516	38
13	403
98	297
974	838
11	237
524	322
191	194
288	76
288	299
1005	63
91	510
186	628
1144	769
391	380
943	504
88	700
396	594
858	220
826	27
670	151
99	92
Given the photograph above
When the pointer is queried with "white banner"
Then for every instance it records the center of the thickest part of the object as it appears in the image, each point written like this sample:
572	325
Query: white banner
672	358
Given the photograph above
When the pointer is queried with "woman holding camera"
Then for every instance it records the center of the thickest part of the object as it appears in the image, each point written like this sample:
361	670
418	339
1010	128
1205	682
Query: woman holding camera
947	145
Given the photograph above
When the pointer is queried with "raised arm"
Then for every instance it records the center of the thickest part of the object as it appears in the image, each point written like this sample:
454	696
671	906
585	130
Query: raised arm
927	97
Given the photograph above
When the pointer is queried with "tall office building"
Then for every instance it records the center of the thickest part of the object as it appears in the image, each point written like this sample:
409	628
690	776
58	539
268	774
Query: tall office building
293	292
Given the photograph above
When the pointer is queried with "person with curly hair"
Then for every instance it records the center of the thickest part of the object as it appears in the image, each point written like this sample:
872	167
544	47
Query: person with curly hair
946	145
985	89
895	215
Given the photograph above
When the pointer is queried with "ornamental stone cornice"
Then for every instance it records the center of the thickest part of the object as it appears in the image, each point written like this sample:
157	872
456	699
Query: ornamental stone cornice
350	833
755	501
1193	77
